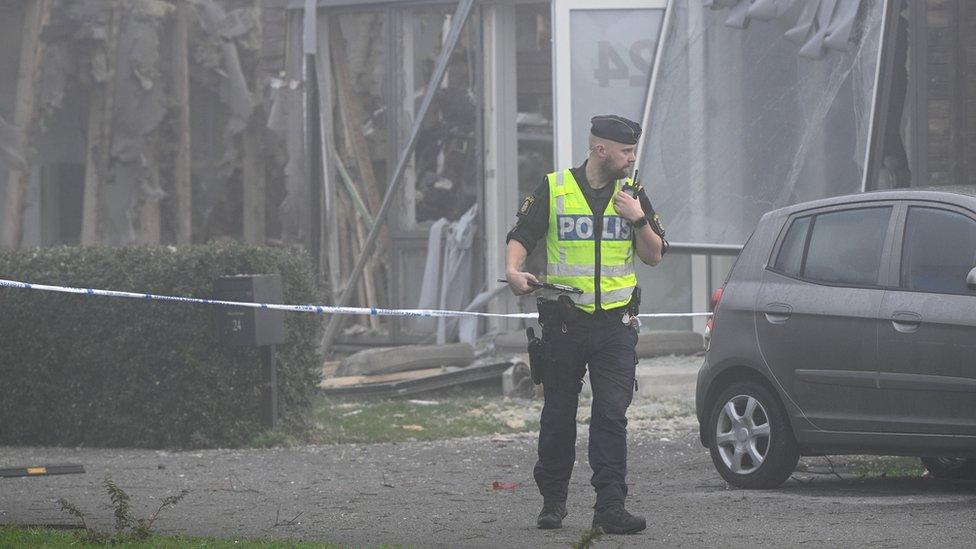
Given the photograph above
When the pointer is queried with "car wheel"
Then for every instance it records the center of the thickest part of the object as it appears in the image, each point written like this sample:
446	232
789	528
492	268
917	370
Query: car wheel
751	442
951	468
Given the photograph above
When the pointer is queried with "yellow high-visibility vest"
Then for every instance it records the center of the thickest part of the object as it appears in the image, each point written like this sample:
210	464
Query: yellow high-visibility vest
571	245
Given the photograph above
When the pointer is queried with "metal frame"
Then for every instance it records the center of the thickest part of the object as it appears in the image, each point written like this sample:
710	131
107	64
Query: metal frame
411	236
692	248
879	105
407	237
297	4
658	54
461	16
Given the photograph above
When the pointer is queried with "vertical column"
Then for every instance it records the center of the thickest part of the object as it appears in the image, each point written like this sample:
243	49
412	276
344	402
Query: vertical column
36	17
330	222
697	65
181	94
501	146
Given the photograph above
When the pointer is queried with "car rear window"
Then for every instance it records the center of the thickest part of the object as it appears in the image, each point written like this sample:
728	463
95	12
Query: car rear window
938	251
790	257
845	246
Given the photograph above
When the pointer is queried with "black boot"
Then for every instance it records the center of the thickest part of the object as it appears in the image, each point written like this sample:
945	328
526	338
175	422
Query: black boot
551	516
616	520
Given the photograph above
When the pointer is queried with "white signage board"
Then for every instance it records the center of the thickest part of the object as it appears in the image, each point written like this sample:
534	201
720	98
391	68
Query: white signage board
603	54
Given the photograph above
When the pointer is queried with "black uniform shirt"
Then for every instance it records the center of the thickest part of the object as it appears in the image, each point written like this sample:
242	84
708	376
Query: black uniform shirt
533	214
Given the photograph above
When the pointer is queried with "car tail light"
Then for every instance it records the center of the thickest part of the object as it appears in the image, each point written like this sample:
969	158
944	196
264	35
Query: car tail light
716	298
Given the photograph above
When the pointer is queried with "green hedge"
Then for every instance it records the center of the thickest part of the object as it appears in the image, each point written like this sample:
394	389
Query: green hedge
106	371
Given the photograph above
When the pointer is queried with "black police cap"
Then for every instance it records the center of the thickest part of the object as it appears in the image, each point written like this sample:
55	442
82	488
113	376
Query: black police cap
616	128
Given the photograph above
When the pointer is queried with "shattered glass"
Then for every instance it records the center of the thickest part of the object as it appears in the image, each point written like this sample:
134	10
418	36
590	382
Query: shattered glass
750	115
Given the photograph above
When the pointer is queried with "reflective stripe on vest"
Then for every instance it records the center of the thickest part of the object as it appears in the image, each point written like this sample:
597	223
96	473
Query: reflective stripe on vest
571	246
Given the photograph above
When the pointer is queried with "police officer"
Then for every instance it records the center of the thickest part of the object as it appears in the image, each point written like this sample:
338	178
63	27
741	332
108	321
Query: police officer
592	229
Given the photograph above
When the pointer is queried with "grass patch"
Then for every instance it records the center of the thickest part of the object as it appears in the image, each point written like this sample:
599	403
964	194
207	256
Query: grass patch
864	466
23	536
885	466
403	420
450	414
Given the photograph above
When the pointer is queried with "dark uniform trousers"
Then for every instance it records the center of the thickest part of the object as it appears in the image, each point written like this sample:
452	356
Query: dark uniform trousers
608	347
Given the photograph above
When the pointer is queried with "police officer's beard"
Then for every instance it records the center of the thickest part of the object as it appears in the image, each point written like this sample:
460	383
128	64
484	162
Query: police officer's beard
610	174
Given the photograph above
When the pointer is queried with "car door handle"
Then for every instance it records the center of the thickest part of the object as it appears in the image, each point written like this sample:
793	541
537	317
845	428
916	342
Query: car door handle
906	322
777	313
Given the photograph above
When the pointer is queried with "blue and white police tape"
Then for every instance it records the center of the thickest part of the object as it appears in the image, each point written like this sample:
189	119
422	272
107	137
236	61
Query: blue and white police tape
317	309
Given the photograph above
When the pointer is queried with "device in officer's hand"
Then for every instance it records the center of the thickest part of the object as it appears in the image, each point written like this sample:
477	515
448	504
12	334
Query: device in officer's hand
562	288
631	188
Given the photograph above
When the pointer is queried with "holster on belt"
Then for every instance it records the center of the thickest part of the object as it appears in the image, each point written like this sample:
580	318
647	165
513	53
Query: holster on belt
635	299
553	314
537	356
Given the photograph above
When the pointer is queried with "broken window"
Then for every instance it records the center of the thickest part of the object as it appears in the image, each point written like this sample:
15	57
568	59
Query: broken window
757	107
444	176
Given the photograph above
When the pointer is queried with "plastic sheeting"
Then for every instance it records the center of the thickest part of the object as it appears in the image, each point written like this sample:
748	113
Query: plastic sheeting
458	264
430	287
815	25
447	282
746	120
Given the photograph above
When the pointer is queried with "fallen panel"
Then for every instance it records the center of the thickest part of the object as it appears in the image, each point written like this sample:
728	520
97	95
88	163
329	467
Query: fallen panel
345	381
472	374
401	359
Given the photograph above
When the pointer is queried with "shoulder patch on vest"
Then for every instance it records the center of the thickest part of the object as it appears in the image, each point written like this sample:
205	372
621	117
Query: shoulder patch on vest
526	206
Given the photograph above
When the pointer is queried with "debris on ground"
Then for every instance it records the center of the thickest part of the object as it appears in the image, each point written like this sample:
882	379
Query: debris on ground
406	358
413	382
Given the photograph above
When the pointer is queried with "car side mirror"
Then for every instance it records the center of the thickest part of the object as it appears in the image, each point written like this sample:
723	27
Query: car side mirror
971	279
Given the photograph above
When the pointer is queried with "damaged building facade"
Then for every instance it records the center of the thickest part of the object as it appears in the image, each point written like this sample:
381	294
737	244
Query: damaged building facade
292	119
145	121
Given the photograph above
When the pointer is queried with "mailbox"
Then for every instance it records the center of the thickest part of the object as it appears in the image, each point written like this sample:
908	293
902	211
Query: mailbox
253	326
247	325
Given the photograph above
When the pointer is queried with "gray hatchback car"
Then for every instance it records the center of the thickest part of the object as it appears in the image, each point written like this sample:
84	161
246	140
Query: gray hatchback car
847	325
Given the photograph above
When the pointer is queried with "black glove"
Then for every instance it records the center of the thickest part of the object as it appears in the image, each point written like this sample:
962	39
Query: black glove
652	218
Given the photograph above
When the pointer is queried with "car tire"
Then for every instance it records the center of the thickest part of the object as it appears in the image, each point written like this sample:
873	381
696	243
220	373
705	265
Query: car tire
750	439
950	468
